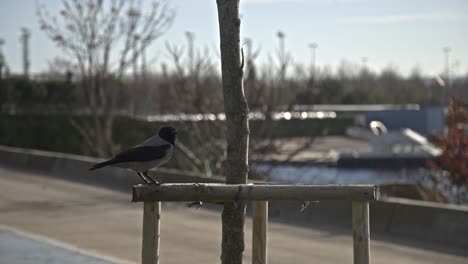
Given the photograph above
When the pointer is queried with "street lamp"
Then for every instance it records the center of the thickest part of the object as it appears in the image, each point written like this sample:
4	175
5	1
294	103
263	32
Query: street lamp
282	54
446	87
25	35
2	59
313	47
281	36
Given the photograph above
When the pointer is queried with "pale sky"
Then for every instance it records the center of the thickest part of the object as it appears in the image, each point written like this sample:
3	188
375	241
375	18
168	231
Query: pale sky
401	33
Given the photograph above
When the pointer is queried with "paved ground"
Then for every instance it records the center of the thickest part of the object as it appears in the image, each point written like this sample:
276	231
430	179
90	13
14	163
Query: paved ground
19	248
105	222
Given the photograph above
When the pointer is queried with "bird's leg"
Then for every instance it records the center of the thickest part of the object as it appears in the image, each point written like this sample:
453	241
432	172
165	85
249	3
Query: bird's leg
152	179
141	175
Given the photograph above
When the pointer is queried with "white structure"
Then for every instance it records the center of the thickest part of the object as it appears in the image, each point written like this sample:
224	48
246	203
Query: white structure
401	143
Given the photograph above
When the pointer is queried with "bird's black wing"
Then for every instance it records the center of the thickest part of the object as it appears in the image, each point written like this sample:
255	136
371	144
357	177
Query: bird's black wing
136	154
142	154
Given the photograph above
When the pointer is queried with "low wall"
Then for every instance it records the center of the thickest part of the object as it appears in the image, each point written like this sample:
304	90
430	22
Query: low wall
76	168
391	217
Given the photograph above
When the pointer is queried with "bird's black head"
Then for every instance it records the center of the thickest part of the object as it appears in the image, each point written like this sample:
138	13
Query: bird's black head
168	133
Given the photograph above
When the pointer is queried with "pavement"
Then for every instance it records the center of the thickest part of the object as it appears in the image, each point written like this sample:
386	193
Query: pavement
105	223
17	247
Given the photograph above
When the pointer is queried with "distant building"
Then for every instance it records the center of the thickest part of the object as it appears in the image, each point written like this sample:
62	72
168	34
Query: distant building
425	121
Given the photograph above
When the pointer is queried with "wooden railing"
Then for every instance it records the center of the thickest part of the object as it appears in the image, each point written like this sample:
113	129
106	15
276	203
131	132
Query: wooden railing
259	195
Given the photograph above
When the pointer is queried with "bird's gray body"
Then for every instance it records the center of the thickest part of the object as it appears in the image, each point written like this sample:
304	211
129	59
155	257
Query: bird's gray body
154	141
153	152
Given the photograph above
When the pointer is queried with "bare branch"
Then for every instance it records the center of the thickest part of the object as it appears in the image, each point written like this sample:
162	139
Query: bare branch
91	32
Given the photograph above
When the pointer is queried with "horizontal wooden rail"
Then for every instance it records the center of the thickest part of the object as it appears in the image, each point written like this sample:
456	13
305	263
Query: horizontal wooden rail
214	192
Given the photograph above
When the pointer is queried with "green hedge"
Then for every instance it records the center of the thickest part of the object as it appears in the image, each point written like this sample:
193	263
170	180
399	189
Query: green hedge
18	92
45	132
55	132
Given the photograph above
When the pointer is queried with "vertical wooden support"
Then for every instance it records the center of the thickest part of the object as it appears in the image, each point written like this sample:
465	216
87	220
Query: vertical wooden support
259	232
151	232
361	232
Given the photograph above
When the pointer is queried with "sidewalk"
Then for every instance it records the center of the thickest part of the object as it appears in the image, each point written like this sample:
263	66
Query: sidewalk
21	248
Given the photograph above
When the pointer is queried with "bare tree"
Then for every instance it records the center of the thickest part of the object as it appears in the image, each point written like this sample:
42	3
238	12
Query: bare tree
237	128
59	68
99	37
193	87
195	77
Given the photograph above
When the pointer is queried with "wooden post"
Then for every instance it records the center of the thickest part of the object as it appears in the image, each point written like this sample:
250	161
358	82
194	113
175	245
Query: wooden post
151	232
361	232
259	232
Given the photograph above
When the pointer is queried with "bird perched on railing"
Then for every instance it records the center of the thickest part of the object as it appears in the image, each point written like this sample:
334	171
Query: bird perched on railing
153	152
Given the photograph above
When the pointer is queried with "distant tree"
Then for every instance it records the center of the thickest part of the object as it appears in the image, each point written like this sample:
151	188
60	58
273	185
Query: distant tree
390	85
59	69
414	87
103	38
459	87
194	79
331	91
450	173
192	86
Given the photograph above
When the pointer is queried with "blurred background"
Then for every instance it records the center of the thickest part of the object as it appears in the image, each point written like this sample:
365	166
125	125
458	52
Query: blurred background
339	91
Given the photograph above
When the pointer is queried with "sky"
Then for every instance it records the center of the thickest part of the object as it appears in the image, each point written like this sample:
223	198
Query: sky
402	34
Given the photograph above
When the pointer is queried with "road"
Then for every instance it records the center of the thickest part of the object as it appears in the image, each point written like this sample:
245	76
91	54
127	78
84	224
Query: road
105	222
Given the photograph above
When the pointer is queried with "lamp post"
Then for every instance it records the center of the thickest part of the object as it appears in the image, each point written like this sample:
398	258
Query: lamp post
2	59
282	53
190	36
25	35
313	47
447	51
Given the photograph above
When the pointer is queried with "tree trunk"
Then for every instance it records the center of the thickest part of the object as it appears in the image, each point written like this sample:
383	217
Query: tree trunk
237	132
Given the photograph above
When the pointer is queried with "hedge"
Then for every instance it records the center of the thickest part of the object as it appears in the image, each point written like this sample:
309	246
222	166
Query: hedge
55	132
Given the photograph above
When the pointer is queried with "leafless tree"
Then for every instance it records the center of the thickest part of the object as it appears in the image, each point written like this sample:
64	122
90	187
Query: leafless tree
59	69
99	37
192	86
237	128
194	77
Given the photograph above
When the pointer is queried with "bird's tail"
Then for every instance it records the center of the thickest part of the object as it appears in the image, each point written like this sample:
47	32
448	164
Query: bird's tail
101	165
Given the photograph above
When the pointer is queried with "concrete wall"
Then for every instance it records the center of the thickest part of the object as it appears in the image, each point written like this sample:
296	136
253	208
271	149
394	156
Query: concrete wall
391	217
